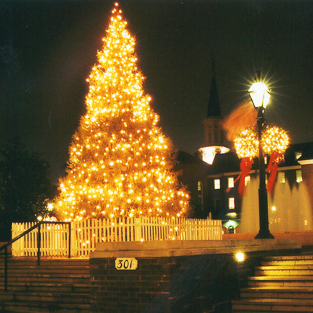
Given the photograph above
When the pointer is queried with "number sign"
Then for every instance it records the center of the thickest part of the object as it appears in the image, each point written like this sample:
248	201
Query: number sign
126	263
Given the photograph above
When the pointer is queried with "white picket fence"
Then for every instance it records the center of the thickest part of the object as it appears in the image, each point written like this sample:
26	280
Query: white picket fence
86	234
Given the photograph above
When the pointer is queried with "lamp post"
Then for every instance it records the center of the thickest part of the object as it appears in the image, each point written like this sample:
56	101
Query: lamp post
260	97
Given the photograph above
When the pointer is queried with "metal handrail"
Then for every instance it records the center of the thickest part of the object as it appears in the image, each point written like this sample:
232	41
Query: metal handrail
5	246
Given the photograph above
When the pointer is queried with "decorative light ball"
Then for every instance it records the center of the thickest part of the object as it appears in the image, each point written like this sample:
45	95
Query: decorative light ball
247	144
274	138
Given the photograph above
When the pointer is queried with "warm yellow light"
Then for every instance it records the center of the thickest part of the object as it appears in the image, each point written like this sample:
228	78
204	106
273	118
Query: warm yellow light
274	138
247	144
240	257
259	94
119	159
50	206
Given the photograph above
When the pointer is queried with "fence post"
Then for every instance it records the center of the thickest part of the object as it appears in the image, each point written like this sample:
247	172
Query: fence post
137	229
38	245
69	239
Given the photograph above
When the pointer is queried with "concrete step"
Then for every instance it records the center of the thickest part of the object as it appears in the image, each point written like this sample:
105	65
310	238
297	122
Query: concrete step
12	307
287	260
281	284
45	261
281	281
48	271
48	287
277	293
284	270
273	305
37	278
288	257
57	285
45	297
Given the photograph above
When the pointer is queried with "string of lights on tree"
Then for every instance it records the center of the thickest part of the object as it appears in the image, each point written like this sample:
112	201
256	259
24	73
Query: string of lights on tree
121	164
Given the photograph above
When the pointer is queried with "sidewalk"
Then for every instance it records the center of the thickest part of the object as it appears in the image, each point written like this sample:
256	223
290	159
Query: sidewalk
305	238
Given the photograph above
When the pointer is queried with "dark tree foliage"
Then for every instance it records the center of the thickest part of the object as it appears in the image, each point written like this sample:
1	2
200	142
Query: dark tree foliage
25	187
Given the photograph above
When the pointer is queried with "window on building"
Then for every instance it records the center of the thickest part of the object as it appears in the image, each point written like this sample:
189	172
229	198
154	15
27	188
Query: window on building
247	180
217	184
230	182
200	194
299	176
281	177
199	185
231	203
298	155
265	160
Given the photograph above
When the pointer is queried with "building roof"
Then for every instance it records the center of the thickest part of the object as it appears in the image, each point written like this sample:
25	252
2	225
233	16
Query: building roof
306	150
186	158
225	163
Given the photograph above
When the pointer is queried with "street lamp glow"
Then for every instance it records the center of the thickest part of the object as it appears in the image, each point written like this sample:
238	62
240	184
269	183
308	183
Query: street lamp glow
240	257
259	94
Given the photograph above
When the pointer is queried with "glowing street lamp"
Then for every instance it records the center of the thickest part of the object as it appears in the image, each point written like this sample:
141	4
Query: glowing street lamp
260	96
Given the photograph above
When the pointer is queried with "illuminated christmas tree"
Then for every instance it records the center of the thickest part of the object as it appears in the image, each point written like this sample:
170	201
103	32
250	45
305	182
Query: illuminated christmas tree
120	161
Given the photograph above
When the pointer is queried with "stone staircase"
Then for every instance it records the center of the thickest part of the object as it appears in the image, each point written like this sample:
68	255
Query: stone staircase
57	285
281	284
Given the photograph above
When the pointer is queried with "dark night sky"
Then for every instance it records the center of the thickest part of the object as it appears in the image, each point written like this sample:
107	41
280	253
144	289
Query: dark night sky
47	49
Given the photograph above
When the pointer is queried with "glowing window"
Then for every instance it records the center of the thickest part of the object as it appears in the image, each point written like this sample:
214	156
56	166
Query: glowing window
281	177
199	185
247	180
231	203
200	194
217	184
299	176
265	160
230	182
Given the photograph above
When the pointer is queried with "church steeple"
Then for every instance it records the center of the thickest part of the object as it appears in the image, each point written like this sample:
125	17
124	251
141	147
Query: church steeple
214	104
213	132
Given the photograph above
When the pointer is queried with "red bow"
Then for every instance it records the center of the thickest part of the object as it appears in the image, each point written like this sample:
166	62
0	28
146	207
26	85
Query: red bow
276	158
245	166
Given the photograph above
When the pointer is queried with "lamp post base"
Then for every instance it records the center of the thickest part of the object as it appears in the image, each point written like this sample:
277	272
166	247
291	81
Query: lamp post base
265	234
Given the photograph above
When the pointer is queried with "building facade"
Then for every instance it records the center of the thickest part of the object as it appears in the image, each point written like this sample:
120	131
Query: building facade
213	175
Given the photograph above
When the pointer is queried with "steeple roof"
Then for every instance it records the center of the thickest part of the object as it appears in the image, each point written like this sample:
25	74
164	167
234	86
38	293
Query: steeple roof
214	104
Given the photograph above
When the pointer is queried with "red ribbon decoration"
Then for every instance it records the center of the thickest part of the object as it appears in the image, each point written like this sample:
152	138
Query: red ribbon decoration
245	166
276	158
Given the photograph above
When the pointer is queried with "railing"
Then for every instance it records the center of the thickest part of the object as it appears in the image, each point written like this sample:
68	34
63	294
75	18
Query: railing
56	239
86	234
38	244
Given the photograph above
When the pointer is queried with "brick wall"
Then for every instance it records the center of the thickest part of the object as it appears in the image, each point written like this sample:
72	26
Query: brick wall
163	284
172	276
